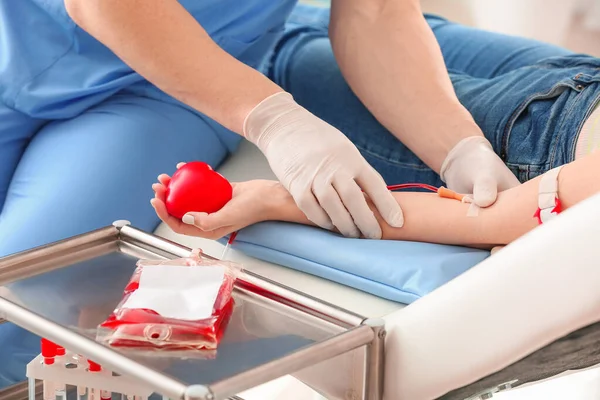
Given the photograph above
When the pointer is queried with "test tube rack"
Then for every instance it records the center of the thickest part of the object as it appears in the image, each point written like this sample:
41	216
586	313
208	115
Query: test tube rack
72	370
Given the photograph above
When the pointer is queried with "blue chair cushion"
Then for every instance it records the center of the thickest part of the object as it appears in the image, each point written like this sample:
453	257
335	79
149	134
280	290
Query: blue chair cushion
396	270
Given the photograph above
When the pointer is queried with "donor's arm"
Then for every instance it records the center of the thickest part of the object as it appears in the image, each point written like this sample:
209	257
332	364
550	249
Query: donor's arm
428	218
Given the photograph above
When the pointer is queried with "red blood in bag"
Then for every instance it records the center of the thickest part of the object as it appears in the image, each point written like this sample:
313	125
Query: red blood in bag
196	187
130	329
145	328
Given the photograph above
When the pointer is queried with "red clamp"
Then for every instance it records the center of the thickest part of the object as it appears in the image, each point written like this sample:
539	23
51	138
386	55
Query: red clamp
549	205
543	215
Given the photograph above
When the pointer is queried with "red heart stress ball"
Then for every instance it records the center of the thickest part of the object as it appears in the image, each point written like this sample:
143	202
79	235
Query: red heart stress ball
196	187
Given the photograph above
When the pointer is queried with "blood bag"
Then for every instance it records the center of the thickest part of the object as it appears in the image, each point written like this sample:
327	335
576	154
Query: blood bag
181	304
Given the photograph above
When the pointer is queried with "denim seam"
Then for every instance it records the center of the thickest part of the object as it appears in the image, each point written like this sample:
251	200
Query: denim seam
544	64
510	124
517	113
561	133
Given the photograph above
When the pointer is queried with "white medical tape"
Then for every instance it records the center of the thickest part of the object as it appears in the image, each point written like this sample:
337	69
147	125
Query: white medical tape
473	210
548	189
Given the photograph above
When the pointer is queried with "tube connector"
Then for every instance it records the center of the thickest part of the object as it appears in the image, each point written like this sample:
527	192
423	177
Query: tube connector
449	194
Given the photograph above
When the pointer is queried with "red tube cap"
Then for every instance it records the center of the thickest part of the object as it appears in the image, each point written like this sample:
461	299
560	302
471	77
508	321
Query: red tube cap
60	351
48	351
93	367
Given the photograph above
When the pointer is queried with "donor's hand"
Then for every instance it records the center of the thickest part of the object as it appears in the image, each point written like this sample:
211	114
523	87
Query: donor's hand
252	202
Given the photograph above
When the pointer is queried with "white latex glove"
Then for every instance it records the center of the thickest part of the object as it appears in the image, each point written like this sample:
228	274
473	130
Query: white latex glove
323	170
472	167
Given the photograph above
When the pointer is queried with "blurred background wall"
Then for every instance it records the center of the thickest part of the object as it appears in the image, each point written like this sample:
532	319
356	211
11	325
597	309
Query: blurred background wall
574	24
571	23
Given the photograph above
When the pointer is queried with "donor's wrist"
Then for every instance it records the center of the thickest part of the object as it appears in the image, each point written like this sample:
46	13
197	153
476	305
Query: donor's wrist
280	205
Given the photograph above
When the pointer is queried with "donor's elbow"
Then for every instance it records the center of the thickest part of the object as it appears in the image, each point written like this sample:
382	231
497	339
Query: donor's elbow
372	12
75	9
93	14
351	16
403	7
81	10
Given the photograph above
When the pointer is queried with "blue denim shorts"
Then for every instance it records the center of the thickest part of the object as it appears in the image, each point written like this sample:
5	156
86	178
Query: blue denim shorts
529	98
533	115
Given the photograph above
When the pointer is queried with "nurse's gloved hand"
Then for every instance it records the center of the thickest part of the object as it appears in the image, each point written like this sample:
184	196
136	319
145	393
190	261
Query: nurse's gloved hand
472	167
323	170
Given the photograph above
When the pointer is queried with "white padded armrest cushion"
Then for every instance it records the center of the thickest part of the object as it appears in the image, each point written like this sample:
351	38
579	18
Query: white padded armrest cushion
531	293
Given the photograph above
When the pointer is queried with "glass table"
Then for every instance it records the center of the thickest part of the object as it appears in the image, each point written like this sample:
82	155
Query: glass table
64	290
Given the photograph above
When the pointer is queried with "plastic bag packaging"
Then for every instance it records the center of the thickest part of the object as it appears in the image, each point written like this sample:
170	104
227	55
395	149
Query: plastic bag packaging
181	304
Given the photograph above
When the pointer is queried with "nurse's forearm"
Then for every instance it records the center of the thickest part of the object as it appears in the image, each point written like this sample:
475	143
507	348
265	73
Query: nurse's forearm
429	218
391	59
165	44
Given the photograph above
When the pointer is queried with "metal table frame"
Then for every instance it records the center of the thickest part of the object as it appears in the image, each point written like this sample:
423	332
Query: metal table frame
354	331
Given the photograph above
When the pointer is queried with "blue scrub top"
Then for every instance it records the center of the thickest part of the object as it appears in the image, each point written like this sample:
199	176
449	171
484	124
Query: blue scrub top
52	69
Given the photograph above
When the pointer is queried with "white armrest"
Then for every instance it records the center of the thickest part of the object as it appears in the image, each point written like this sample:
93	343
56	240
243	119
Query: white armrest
533	292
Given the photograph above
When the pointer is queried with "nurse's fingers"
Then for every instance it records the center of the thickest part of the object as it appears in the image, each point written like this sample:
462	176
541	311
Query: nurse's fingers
341	218
357	205
309	205
387	206
181	164
485	191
